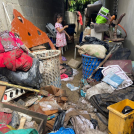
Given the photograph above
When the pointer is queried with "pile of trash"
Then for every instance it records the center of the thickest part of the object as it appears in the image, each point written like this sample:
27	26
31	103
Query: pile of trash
105	89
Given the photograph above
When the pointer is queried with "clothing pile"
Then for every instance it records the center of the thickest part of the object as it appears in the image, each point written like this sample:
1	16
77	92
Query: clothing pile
13	54
16	64
67	73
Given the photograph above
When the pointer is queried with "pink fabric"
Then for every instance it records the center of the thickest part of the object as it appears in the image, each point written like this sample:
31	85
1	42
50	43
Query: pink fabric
63	76
60	37
80	19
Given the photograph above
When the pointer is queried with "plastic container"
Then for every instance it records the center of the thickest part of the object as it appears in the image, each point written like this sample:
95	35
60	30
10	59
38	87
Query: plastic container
89	65
120	123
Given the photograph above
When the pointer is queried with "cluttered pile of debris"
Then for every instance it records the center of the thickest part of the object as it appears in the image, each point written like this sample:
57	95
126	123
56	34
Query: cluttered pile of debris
32	100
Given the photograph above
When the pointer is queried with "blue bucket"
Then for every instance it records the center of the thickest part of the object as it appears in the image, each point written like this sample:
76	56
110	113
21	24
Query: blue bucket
89	65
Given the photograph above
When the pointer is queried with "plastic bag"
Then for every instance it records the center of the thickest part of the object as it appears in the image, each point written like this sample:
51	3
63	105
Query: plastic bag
94	50
121	54
59	122
31	78
98	89
93	40
49	105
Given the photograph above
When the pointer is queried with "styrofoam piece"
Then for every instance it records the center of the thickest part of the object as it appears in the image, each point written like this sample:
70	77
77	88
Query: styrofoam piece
12	93
118	71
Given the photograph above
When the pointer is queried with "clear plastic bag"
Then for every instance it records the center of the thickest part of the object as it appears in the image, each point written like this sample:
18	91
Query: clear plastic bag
49	105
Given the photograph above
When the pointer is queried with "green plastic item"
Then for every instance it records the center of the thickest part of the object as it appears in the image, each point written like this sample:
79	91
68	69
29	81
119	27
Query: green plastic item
23	131
100	19
102	16
104	11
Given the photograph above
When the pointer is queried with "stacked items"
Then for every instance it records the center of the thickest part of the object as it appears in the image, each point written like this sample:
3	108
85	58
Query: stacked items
16	122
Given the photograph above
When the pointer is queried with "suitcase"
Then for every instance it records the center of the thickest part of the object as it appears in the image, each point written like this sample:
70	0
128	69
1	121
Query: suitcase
51	29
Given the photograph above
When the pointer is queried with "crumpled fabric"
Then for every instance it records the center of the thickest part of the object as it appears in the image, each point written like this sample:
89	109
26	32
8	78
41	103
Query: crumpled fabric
65	69
16	60
81	125
63	76
99	89
5	118
80	18
9	42
63	130
4	128
79	119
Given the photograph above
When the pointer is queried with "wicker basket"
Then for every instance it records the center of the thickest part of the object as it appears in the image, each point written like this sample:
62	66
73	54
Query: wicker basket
51	64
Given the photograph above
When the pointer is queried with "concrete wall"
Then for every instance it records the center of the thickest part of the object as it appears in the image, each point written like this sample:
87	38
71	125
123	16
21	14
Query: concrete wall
126	6
39	12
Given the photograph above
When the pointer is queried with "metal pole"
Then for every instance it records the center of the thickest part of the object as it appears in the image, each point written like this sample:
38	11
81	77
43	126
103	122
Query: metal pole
6	12
66	5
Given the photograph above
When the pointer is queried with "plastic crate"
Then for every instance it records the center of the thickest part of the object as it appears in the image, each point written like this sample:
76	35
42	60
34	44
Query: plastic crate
89	65
120	123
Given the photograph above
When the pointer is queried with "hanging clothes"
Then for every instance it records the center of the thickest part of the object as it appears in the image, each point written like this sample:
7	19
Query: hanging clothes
80	18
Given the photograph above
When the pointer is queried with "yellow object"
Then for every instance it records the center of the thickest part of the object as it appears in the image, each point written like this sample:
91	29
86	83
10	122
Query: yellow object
10	127
120	123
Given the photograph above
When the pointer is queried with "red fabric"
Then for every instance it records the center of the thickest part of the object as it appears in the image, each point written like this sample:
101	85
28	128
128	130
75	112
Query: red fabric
63	76
16	60
3	128
1	48
80	19
5	118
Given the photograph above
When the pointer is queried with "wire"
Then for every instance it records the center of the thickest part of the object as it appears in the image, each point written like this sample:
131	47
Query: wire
123	30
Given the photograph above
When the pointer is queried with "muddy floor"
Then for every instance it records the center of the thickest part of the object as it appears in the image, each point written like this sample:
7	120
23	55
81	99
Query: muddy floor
69	54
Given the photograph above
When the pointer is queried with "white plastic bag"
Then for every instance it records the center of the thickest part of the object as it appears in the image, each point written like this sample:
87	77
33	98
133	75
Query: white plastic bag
49	105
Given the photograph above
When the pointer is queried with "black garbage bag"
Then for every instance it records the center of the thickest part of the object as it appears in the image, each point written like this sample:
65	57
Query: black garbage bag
59	122
93	40
3	78
31	78
102	101
121	54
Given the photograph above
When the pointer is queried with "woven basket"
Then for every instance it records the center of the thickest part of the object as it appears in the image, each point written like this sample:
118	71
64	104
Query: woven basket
51	66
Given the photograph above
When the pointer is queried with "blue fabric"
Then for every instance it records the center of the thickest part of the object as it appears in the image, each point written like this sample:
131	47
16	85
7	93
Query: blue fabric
63	130
81	36
113	80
